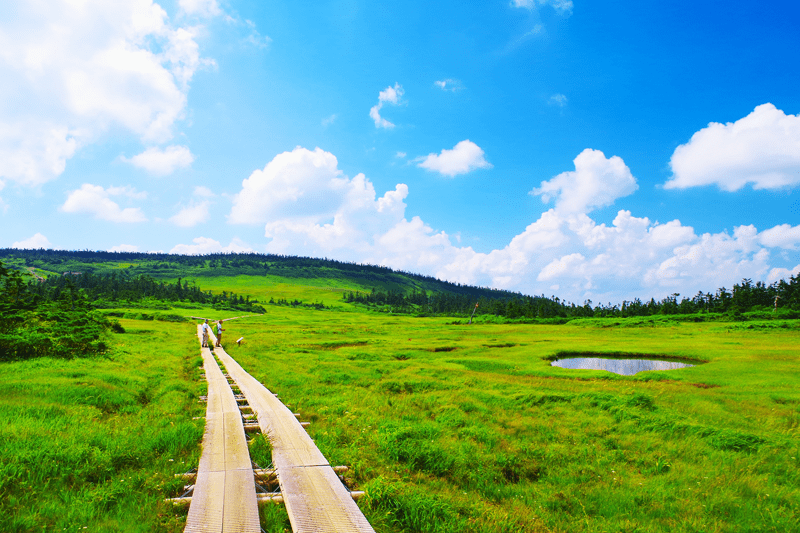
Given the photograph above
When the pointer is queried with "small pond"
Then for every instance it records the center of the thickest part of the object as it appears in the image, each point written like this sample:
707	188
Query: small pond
625	366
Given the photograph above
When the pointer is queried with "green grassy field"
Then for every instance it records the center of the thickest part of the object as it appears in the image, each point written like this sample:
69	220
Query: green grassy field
446	427
265	288
468	428
95	442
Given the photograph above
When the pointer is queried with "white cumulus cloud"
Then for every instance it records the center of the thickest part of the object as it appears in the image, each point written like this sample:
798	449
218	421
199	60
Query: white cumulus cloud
464	157
95	200
309	207
597	181
305	189
297	183
33	243
206	245
711	261
303	192
781	236
162	161
124	248
191	215
777	274
73	70
762	148
390	95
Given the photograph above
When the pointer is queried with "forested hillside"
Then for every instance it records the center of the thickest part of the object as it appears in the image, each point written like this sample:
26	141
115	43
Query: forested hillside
109	290
781	299
170	266
107	277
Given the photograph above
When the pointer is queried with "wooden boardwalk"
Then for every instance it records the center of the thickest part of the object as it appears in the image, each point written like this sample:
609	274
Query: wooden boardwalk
224	497
315	498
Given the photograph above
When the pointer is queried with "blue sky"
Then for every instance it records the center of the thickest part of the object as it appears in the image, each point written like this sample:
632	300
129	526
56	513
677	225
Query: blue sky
552	147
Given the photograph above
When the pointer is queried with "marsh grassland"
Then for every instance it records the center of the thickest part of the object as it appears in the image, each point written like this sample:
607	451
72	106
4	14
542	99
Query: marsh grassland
467	428
447	427
92	444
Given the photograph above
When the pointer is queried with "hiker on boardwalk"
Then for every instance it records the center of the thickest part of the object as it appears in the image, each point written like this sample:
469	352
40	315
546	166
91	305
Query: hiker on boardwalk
206	331
219	332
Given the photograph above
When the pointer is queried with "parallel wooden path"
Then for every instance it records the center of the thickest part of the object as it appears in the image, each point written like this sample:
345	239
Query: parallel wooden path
315	498
224	497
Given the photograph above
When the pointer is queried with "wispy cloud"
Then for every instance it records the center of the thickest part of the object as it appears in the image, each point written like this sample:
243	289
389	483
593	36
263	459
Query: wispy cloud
327	121
197	211
202	8
563	7
537	30
558	100
255	38
203	192
390	95
449	84
192	215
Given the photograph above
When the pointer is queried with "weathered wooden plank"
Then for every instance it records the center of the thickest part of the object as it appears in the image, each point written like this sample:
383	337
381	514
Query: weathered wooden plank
224	498
205	512
316	501
241	507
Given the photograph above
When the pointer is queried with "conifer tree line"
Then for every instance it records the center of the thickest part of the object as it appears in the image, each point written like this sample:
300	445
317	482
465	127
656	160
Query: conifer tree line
32	326
746	296
111	289
59	317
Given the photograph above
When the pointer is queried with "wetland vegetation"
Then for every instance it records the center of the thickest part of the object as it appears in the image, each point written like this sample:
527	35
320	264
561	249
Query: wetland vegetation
447	427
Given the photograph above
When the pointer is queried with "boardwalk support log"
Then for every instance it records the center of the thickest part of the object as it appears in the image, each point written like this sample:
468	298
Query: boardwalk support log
264	473
269	498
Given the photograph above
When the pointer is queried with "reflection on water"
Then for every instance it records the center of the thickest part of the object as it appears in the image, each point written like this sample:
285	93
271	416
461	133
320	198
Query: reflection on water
625	367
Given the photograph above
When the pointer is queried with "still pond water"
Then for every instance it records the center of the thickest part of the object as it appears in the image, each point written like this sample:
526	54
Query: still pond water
622	366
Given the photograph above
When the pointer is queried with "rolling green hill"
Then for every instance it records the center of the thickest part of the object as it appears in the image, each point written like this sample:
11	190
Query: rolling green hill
298	269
